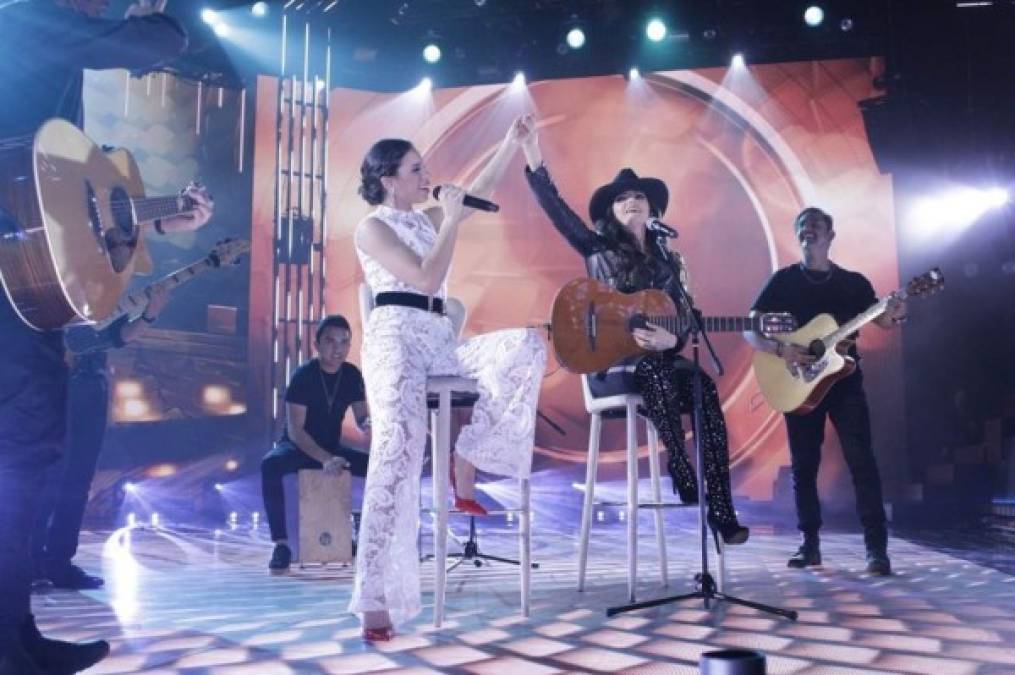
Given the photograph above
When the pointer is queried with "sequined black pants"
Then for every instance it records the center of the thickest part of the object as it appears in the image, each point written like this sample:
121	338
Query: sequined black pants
666	383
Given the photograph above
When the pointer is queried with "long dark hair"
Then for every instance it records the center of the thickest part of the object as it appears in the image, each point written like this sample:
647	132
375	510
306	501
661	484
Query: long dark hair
639	270
383	159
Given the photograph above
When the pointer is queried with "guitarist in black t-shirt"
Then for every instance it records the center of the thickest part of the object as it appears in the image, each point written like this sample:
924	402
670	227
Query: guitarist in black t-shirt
815	286
316	399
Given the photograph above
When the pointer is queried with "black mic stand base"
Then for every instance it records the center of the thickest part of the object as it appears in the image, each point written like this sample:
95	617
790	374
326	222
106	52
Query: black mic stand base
707	592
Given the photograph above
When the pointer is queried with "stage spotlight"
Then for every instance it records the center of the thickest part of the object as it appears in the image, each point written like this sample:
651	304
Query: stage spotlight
633	74
219	487
426	84
957	209
431	53
813	16
259	9
846	25
738	60
233	517
996	197
130	487
222	29
209	16
232	465
519	79
655	30
576	38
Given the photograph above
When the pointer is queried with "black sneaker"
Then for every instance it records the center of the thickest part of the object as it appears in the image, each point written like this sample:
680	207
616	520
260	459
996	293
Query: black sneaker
57	657
281	558
69	575
808	555
878	563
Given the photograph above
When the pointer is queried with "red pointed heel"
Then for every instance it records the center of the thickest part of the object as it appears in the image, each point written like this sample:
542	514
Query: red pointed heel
378	634
470	506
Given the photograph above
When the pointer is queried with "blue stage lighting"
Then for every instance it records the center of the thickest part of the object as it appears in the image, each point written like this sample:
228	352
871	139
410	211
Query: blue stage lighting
813	16
259	9
576	38
655	30
209	16
431	53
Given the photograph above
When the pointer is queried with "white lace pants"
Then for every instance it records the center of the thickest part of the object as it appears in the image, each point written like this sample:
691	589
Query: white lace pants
402	346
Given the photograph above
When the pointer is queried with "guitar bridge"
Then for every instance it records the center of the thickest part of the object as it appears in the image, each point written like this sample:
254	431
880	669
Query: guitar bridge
591	326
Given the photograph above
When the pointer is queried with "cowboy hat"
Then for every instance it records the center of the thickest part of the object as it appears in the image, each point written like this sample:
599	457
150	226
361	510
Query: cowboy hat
627	180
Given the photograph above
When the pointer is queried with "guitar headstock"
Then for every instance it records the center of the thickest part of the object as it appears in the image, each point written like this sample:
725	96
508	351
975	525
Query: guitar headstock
227	251
773	323
927	283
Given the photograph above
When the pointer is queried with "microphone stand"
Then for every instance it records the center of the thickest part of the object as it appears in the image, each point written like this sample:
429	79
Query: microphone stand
705	586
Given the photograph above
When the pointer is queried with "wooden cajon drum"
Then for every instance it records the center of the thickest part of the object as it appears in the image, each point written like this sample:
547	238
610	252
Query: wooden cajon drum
325	517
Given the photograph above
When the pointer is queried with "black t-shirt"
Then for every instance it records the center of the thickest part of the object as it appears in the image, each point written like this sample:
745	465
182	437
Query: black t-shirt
840	292
312	387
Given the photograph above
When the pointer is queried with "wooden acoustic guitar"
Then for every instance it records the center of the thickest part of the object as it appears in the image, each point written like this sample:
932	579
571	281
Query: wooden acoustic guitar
591	323
801	390
226	252
70	225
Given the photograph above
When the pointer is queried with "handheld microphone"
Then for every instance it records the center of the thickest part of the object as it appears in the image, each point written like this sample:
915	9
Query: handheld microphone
657	226
472	202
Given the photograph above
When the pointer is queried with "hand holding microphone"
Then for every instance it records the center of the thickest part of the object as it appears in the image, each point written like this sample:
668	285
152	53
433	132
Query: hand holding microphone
468	200
660	228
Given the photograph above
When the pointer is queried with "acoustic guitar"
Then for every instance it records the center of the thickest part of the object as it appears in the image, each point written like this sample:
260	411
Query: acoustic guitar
801	390
592	324
225	252
70	225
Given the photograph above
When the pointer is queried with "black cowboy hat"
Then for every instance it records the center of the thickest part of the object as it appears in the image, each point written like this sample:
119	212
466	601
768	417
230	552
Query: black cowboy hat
602	199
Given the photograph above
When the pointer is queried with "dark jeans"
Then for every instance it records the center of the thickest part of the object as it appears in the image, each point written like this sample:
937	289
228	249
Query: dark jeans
846	406
33	388
65	495
285	458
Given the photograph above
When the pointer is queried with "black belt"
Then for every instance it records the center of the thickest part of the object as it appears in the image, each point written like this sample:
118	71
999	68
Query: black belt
415	300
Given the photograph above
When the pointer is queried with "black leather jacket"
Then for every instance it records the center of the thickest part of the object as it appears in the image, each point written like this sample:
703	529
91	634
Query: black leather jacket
603	260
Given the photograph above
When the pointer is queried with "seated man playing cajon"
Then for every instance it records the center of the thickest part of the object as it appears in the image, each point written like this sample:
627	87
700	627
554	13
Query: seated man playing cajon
316	399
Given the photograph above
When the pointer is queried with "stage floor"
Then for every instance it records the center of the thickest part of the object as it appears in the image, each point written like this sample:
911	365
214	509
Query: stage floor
196	602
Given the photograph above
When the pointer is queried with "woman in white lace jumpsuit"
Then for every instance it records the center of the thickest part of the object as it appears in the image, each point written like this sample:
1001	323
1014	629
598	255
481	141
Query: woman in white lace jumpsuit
409	251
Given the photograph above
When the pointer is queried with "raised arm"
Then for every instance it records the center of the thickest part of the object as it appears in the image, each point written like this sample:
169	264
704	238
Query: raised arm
568	223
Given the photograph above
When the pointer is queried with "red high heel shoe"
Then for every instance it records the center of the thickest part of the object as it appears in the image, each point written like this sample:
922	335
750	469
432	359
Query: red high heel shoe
470	506
378	634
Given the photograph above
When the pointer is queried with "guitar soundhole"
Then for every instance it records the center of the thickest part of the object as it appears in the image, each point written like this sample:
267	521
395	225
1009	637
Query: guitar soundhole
121	238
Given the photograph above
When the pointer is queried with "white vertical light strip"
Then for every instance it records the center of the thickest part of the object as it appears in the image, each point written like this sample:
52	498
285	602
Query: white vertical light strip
220	96
126	95
165	87
243	127
200	93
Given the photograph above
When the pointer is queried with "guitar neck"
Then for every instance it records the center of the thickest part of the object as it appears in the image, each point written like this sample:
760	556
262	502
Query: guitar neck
136	302
147	209
861	320
713	324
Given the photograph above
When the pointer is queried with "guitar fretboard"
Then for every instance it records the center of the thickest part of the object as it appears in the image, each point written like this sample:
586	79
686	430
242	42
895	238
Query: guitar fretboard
713	324
147	209
139	300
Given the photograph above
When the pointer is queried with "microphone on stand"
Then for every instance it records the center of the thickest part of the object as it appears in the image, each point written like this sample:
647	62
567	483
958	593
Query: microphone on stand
657	226
472	202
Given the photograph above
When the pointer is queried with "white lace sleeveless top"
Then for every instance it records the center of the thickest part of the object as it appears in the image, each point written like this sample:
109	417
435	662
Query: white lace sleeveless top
416	231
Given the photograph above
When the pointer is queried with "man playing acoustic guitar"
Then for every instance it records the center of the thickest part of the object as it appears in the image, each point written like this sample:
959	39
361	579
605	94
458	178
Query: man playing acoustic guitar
815	286
47	46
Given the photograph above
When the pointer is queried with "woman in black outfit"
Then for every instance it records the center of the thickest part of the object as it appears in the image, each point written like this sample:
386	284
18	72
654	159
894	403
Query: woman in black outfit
623	252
